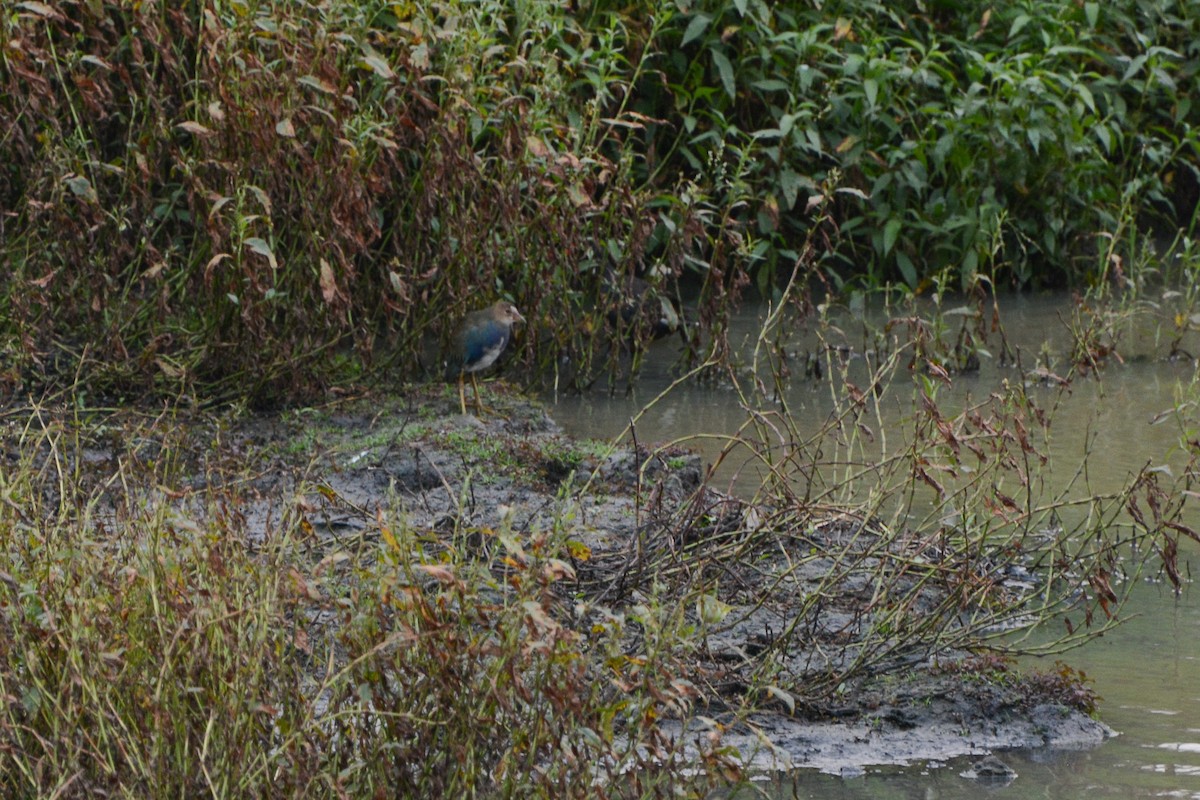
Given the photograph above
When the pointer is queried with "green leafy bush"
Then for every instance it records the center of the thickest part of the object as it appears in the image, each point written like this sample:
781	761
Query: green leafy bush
957	139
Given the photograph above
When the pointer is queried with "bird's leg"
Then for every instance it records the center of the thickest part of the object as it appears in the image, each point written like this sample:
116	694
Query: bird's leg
479	407
462	396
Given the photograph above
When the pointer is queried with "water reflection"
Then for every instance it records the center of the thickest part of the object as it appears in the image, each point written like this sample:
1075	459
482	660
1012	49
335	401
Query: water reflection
1124	415
1147	672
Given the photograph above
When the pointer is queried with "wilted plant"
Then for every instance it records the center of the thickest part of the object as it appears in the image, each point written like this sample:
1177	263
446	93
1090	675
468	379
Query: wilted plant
874	544
162	636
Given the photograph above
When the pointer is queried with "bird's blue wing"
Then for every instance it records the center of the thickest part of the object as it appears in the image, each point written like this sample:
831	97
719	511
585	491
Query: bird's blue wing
487	338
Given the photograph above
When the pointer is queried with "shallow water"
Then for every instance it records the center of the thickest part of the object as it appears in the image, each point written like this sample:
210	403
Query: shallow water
1147	671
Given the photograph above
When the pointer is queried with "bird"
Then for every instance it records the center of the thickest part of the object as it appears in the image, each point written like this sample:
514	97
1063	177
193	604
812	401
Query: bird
479	341
636	308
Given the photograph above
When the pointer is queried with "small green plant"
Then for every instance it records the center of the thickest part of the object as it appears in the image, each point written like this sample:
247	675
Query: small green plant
1066	685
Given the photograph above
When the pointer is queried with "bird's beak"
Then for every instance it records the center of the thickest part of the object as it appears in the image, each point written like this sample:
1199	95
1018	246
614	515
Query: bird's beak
517	316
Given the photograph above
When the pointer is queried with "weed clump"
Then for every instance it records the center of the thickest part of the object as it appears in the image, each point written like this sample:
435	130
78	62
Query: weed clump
177	641
245	200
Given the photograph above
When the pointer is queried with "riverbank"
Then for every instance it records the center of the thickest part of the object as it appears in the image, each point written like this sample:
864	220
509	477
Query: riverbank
513	469
382	582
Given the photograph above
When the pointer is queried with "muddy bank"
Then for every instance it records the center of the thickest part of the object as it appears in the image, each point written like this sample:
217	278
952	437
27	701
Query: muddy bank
785	607
933	717
513	467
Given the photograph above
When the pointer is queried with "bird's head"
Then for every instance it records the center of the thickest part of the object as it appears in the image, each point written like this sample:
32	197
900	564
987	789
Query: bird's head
505	312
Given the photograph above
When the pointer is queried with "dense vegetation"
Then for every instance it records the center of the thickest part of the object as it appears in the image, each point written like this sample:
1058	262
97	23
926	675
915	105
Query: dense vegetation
250	197
260	199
